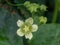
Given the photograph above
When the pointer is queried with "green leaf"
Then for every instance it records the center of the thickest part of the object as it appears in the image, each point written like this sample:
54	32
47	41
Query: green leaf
48	34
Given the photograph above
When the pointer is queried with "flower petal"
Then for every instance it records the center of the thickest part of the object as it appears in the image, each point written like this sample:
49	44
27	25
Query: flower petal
20	33
34	28
29	36
20	23
29	20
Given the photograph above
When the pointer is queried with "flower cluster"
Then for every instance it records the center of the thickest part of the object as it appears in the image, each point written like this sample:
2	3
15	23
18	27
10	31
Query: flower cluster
26	28
32	7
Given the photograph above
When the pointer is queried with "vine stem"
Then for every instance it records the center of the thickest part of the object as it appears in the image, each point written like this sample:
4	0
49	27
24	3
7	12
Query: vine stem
12	4
55	12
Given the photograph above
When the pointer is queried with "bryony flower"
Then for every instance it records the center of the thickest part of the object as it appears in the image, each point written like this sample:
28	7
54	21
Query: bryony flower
27	4
32	7
26	28
42	19
43	8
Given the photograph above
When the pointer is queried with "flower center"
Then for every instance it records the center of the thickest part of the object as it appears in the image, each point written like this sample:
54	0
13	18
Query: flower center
26	28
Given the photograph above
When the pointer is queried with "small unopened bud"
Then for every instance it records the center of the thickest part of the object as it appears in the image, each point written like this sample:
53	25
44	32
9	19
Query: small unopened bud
42	19
43	8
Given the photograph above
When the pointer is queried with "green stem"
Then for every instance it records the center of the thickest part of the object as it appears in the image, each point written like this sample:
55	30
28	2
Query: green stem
13	4
55	12
33	15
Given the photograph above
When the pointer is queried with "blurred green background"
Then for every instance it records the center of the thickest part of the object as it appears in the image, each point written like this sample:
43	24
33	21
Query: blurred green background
48	34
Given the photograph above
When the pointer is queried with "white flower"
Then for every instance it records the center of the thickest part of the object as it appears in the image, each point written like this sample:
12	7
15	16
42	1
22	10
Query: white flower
26	28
